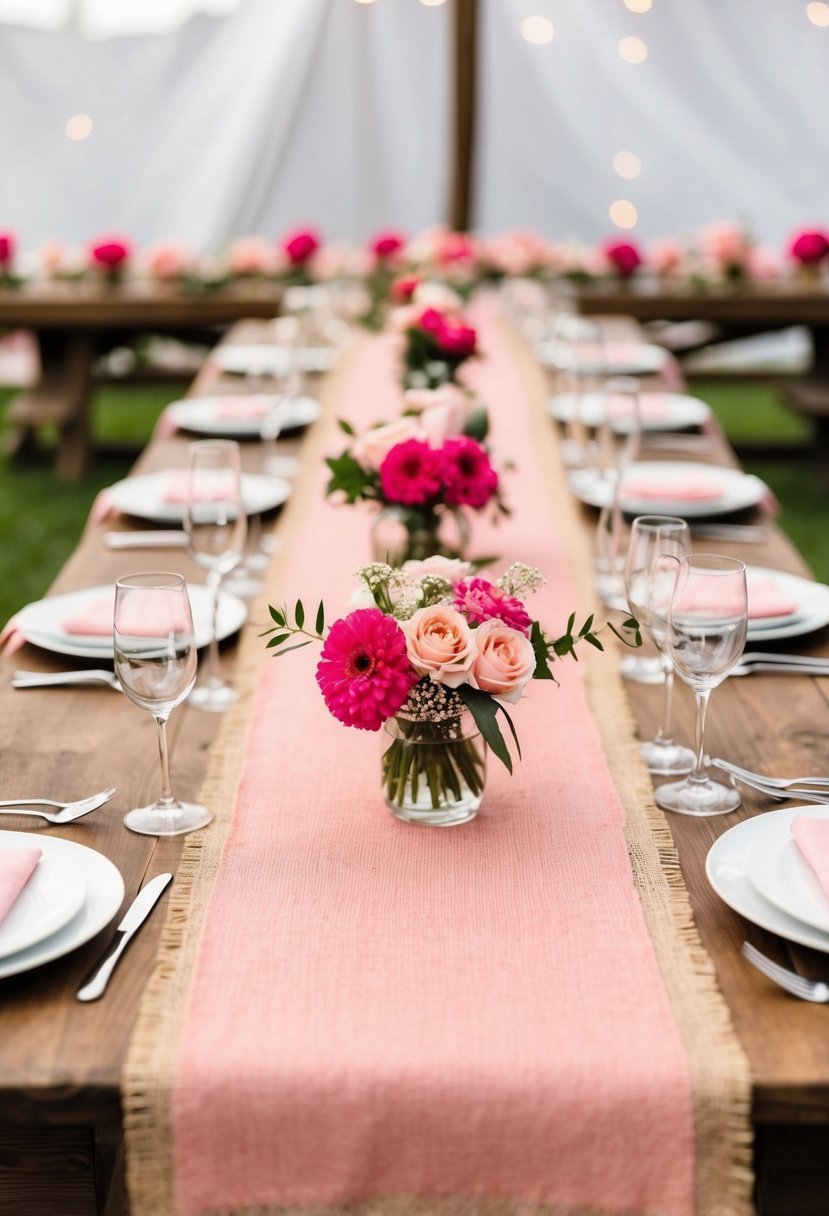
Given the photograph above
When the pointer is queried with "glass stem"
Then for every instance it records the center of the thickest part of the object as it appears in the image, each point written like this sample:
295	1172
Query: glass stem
663	735
166	799
214	581
699	773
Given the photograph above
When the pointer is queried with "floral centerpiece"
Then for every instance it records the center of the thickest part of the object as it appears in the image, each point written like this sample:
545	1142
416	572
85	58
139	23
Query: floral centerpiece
8	250
623	258
437	343
810	250
434	655
423	473
110	256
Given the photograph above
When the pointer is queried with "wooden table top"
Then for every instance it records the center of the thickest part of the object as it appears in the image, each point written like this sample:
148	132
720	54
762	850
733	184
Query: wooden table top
134	305
770	304
60	1061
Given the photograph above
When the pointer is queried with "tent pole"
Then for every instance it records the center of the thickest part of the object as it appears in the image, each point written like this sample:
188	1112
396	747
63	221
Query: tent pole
463	133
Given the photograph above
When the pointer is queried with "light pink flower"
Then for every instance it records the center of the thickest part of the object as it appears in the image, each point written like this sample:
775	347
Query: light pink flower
450	568
480	600
437	295
762	263
440	644
364	672
665	256
725	244
249	255
505	661
52	256
442	411
167	261
372	447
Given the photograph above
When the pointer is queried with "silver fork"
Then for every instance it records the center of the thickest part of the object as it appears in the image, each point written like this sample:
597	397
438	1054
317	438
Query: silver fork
820	796
780	783
61	679
797	985
67	812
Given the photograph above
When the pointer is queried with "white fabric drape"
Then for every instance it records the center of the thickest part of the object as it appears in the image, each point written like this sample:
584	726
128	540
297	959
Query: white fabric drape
284	112
727	114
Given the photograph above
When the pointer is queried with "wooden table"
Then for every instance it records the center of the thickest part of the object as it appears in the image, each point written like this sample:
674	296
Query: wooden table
60	1061
74	322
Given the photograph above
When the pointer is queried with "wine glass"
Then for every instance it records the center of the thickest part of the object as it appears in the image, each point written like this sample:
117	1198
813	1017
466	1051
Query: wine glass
617	446
216	526
577	343
649	583
706	636
155	661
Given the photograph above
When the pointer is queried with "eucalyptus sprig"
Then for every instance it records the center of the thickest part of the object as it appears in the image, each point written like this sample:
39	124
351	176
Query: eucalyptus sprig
284	628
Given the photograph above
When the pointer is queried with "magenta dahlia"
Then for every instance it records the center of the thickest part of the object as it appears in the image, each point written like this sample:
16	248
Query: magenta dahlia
411	473
468	477
364	672
479	600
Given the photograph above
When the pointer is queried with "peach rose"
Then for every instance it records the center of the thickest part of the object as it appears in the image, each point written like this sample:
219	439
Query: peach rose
371	448
450	568
440	644
436	295
505	661
442	411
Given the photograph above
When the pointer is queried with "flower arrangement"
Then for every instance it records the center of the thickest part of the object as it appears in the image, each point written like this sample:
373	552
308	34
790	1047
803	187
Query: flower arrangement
437	343
429	648
809	248
623	257
109	256
422	472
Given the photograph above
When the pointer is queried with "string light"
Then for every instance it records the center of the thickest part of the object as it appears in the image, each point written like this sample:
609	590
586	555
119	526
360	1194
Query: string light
432	3
363	1
79	126
627	164
623	213
633	50
638	6
818	13
537	30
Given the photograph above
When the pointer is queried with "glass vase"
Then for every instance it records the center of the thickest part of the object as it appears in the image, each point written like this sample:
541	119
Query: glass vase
400	534
434	772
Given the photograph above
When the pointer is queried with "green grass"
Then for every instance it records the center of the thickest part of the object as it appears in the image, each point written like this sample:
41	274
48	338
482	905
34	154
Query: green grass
41	518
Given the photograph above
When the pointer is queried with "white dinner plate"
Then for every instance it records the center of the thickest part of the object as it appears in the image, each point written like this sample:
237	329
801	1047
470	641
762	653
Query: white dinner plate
144	496
610	359
52	896
811	614
203	416
739	490
781	874
264	359
727	867
659	411
104	896
41	622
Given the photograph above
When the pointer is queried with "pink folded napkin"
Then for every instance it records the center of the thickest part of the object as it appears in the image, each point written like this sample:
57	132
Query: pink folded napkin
209	487
255	406
766	598
652	406
668	488
16	868
95	618
812	838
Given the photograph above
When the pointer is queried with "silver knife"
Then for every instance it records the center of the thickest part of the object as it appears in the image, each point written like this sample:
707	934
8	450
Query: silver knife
136	914
160	538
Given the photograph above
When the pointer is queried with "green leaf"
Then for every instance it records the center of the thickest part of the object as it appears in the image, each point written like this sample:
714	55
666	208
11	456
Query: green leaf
277	615
542	653
477	424
512	729
299	614
593	640
279	639
346	426
485	712
297	646
348	476
587	626
563	646
319	624
571	622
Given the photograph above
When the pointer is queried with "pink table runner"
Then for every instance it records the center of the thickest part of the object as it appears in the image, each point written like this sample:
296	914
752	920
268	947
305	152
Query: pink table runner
409	1020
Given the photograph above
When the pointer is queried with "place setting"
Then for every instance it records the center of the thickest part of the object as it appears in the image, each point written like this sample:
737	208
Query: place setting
692	489
658	411
243	416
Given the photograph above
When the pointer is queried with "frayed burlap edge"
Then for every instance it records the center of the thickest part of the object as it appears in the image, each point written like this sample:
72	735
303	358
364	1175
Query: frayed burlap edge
718	1066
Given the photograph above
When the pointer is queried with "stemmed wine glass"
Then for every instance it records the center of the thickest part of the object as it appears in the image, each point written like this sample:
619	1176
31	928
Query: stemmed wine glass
216	526
155	661
649	583
617	446
706	636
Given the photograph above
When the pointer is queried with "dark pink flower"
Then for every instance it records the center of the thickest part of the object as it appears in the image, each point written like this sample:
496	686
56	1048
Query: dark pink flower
451	336
403	289
364	672
387	244
454	248
110	252
300	245
810	247
479	600
624	257
8	248
411	473
468	477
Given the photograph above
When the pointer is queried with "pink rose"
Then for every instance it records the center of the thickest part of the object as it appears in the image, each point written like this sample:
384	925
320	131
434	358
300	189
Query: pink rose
371	448
167	262
403	289
725	244
442	411
450	568
440	644
301	244
623	256
449	335
762	263
505	661
387	245
110	253
439	296
249	255
456	247
665	255
8	247
809	247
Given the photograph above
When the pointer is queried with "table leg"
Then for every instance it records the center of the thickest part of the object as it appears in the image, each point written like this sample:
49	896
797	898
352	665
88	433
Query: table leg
60	399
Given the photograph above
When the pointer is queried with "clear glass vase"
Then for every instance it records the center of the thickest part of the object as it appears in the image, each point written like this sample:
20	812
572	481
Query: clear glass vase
400	534
434	772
